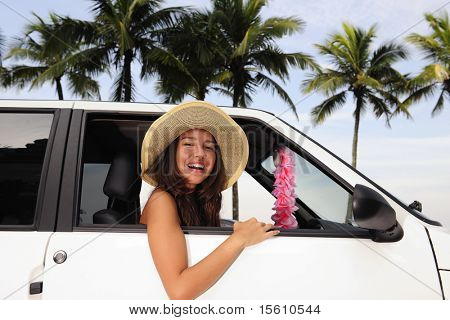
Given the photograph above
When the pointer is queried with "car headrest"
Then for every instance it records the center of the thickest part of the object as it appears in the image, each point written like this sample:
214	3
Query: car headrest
123	180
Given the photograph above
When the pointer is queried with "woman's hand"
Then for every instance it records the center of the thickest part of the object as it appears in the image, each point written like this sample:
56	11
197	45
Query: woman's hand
252	231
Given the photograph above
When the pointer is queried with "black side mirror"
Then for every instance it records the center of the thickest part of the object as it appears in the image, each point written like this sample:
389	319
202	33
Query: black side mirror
373	212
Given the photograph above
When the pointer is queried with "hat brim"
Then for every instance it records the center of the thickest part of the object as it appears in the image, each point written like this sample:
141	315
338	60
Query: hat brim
229	136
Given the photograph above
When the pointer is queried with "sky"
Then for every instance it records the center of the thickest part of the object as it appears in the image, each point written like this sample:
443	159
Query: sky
411	159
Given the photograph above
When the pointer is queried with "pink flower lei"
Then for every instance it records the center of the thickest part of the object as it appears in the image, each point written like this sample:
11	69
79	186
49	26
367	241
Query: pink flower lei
284	190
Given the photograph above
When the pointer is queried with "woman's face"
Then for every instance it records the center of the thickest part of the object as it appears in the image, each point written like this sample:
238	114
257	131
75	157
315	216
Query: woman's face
195	156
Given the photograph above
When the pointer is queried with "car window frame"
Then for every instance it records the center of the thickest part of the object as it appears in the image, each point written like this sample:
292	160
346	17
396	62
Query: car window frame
76	142
72	180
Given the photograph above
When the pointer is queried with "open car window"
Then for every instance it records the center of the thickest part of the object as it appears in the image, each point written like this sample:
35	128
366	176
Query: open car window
111	191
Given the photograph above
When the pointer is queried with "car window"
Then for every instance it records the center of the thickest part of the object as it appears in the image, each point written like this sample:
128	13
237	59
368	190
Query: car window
111	191
111	164
316	190
23	143
111	183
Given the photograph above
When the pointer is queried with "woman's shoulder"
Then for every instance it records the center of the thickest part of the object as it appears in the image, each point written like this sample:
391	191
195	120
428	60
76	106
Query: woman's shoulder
160	195
159	201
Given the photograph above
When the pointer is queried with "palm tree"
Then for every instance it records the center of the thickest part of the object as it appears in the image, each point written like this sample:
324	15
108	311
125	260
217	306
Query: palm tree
366	75
248	43
123	32
251	54
190	60
435	76
52	60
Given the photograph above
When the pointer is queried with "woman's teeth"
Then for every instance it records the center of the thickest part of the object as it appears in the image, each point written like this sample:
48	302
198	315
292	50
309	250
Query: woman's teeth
196	166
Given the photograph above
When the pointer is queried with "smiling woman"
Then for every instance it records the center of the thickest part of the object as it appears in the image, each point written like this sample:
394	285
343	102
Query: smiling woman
191	154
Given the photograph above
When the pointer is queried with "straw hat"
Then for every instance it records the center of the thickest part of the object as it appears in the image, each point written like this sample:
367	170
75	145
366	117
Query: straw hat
197	115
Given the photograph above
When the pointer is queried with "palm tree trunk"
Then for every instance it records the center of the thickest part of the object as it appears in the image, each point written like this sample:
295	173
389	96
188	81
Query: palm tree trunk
235	194
235	201
127	75
59	88
201	94
235	97
349	215
355	136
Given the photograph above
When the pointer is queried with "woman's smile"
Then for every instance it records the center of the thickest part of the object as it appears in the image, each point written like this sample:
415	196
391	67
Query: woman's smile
196	167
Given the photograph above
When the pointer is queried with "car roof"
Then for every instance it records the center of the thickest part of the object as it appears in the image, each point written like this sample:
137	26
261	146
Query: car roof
156	108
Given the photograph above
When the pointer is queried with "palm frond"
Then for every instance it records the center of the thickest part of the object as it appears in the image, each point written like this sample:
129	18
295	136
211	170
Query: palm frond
424	92
279	27
301	60
329	81
22	75
252	8
439	104
23	53
269	84
171	92
83	86
165	18
433	73
390	97
435	46
327	107
103	8
387	54
380	108
162	57
222	77
242	48
368	81
340	59
222	91
76	30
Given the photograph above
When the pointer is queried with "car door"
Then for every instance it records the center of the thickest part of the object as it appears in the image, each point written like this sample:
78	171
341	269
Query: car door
337	261
88	257
32	140
91	257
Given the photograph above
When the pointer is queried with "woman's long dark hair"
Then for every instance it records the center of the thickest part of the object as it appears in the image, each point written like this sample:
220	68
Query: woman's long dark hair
195	208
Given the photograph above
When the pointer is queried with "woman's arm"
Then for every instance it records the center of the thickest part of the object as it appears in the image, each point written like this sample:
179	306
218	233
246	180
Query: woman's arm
168	247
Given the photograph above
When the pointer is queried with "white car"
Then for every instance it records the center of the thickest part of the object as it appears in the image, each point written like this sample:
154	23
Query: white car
70	199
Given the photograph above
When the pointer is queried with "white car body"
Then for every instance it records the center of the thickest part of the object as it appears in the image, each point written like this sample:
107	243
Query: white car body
115	263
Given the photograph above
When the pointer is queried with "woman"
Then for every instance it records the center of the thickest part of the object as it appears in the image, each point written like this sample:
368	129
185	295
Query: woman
191	154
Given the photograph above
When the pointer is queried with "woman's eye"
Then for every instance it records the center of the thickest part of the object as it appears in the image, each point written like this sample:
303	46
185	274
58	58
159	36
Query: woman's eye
209	148
188	144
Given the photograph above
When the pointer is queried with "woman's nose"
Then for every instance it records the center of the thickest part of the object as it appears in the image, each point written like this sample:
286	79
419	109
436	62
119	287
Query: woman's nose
199	152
